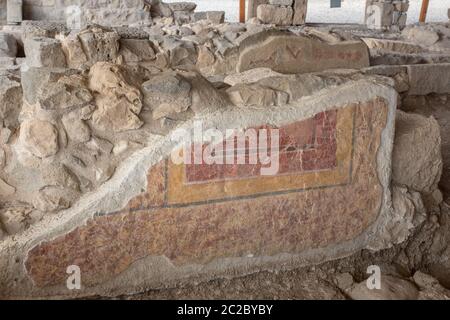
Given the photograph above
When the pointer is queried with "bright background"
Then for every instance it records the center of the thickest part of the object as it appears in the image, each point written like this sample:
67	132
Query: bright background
352	11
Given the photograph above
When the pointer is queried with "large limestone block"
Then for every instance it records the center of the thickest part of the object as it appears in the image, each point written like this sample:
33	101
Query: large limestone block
99	44
39	137
429	78
417	159
300	9
252	6
118	101
328	197
10	101
271	14
8	45
392	288
44	52
288	53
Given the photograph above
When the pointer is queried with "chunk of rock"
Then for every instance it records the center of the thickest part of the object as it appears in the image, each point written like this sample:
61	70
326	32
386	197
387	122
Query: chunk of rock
34	79
116	114
54	198
392	288
99	44
300	9
430	289
167	93
6	189
118	103
286	52
14	219
77	130
182	6
63	95
417	158
73	50
60	175
10	101
44	52
8	45
271	14
422	35
429	78
39	137
256	95
250	76
136	50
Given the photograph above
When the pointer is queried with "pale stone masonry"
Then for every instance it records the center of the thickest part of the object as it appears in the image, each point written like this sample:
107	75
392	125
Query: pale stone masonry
283	12
386	14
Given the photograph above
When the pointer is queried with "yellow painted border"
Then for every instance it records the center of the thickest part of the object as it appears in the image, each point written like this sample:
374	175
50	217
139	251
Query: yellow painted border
179	192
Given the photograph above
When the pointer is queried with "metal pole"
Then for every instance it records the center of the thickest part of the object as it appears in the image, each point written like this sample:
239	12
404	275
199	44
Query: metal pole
424	10
242	11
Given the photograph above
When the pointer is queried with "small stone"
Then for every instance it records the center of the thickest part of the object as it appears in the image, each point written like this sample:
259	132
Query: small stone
39	137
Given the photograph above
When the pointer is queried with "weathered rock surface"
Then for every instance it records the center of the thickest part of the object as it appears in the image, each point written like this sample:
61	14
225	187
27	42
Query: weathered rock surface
118	102
167	94
8	45
288	53
99	44
417	159
277	15
392	288
10	100
429	78
39	137
44	52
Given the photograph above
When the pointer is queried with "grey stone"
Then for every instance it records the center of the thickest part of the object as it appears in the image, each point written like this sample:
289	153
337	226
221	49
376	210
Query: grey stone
167	93
280	16
417	158
392	288
281	2
429	78
44	52
8	45
100	45
10	101
39	137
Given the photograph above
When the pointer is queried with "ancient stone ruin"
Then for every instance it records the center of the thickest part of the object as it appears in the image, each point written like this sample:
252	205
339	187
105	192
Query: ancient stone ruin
324	147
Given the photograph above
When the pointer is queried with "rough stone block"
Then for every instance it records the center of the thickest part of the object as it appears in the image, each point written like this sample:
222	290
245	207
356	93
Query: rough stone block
300	9
281	2
417	158
288	53
8	45
328	198
429	78
271	14
44	52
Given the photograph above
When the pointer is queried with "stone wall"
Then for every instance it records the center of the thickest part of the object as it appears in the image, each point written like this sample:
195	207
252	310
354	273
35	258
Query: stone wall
386	14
